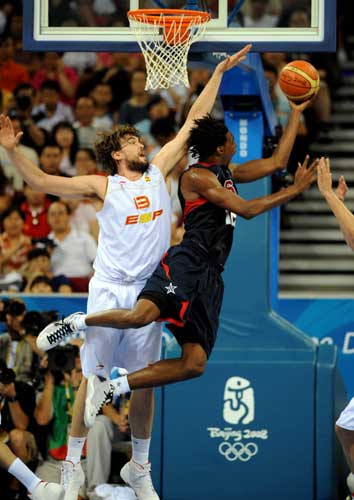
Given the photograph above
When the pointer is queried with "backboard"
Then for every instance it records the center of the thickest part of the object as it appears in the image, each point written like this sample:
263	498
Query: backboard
101	25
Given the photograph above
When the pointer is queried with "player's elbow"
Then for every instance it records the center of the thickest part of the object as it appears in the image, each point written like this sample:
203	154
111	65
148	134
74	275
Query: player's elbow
247	212
193	368
278	161
40	184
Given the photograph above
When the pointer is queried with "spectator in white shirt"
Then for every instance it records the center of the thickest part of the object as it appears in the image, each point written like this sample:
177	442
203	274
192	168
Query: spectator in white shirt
75	250
85	124
258	16
51	111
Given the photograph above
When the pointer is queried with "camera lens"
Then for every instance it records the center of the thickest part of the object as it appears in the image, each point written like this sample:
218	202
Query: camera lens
61	359
23	102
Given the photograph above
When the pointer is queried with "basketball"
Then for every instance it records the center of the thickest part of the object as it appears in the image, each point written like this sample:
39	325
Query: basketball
299	81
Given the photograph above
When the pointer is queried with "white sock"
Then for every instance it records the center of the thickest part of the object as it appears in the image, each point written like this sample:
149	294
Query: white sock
80	322
21	472
140	450
121	385
75	447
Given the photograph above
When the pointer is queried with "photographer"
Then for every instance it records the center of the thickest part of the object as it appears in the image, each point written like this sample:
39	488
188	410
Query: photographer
28	152
37	489
62	377
17	404
18	345
33	136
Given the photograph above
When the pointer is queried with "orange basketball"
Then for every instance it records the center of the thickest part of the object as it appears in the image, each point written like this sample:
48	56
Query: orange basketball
299	80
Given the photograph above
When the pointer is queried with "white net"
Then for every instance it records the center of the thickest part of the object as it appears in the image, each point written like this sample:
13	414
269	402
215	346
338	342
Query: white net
165	42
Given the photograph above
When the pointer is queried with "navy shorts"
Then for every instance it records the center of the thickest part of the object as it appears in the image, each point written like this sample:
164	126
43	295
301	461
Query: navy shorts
188	289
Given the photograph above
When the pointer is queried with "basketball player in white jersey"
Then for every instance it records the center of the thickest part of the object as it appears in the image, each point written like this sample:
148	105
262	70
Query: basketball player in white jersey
134	234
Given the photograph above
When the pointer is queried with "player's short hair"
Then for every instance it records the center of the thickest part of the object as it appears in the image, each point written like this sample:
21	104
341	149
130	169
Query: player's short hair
206	136
110	142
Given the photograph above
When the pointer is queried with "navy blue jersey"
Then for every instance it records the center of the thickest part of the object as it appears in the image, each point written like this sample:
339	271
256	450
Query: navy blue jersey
205	223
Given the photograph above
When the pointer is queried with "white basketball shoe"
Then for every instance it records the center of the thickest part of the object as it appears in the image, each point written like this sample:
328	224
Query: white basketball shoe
58	332
99	393
72	478
138	477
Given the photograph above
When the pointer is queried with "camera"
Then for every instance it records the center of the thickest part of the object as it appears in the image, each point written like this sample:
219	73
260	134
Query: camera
7	376
34	322
62	358
13	307
23	102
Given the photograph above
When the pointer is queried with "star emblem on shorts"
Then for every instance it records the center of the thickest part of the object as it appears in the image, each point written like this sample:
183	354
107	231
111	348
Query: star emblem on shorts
171	289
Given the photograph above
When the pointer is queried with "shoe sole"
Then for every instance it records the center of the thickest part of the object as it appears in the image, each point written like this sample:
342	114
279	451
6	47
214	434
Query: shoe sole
90	411
43	344
124	474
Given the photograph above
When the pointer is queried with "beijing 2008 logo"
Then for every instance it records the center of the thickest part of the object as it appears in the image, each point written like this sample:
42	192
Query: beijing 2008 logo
237	442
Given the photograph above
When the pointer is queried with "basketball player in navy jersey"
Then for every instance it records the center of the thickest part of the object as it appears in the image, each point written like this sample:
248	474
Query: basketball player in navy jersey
186	289
134	234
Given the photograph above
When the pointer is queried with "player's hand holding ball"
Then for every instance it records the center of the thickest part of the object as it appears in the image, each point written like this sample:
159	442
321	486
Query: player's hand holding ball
300	82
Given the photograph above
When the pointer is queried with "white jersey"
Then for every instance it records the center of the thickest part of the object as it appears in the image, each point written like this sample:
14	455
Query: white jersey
135	225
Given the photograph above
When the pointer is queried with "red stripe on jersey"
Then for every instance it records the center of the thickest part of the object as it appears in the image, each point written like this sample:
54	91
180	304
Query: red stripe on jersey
205	164
171	320
192	205
165	266
184	306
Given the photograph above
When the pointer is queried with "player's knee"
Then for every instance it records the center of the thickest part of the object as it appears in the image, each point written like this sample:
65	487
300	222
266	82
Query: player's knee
17	438
194	367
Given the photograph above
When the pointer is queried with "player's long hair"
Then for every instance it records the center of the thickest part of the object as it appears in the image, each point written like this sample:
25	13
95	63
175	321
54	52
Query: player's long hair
206	136
110	142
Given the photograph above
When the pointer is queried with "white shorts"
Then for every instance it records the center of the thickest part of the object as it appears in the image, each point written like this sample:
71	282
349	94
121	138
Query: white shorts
105	348
346	418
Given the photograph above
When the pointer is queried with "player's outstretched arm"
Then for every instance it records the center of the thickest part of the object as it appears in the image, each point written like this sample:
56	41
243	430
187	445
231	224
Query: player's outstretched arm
335	203
257	169
205	184
78	187
173	151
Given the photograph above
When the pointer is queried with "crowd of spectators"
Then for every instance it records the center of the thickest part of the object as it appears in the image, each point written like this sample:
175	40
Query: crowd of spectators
60	102
37	393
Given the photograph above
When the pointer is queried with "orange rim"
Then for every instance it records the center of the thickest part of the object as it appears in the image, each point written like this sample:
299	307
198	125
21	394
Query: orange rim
169	15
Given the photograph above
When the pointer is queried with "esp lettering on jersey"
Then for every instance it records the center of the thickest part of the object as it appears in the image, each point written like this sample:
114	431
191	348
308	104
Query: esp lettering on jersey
142	202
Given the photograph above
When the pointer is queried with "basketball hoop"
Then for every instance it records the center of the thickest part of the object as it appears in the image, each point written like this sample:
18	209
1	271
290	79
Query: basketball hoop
165	37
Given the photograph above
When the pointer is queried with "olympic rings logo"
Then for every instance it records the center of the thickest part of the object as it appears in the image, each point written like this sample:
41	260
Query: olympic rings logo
238	451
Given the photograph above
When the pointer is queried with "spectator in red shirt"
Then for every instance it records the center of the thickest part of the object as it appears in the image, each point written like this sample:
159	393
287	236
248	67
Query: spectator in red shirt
35	209
53	69
11	73
14	245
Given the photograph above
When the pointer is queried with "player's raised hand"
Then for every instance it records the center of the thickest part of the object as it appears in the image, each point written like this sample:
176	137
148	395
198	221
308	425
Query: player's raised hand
305	175
301	106
324	176
342	188
234	60
8	139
